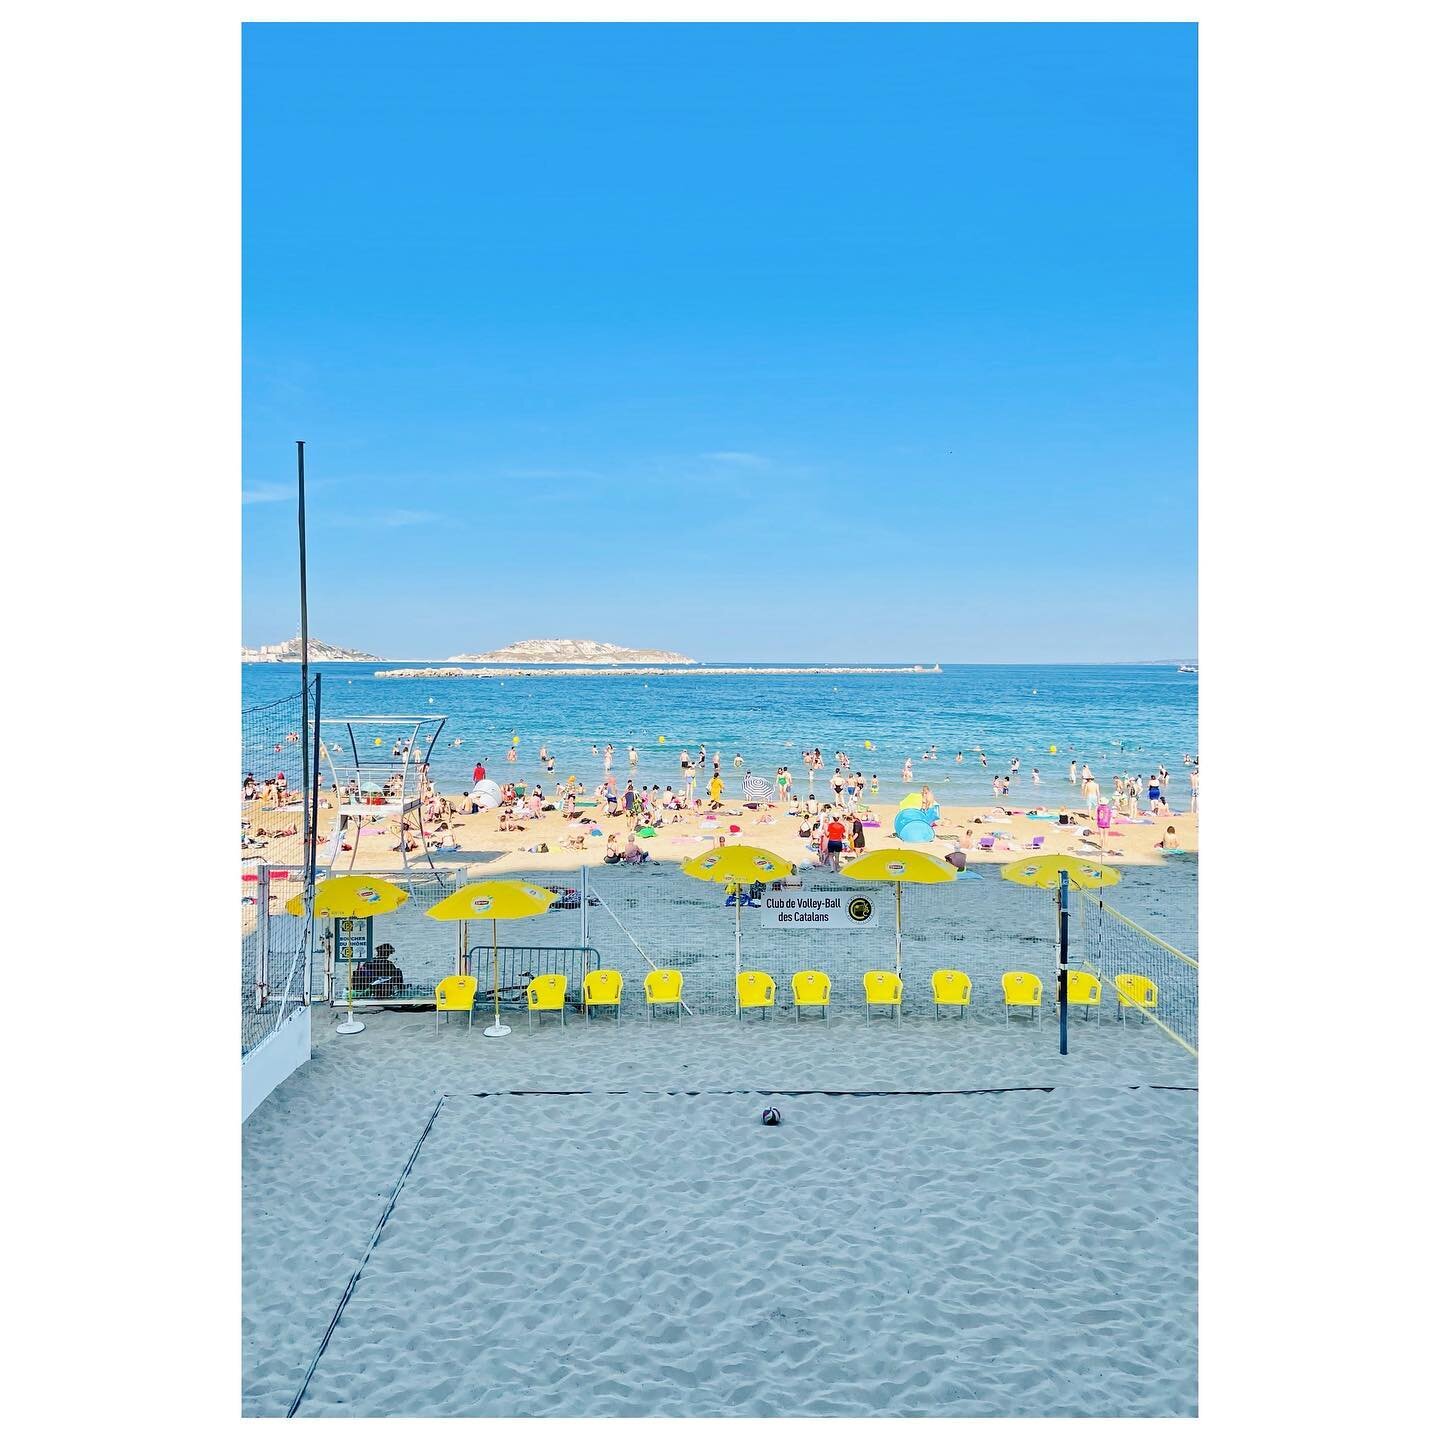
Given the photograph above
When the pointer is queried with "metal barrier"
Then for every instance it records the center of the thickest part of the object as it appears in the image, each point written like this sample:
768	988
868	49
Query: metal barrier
520	964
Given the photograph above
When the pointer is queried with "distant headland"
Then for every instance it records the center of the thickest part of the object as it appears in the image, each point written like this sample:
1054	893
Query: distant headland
451	672
572	652
289	651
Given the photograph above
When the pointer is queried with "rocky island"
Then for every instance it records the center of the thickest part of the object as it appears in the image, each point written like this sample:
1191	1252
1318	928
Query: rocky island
572	652
289	651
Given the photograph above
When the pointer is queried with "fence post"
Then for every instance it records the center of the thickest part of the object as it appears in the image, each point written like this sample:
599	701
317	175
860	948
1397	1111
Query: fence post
1062	979
584	906
262	933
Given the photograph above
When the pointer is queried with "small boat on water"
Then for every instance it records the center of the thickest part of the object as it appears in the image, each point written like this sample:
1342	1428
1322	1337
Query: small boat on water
1189	670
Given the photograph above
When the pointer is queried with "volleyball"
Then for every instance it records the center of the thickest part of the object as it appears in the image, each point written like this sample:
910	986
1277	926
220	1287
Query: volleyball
770	1116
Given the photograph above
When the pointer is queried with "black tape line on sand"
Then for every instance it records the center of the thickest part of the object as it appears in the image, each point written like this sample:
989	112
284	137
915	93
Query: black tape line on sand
860	1094
369	1250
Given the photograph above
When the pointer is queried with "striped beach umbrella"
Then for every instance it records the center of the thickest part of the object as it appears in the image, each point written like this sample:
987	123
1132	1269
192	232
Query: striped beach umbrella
758	790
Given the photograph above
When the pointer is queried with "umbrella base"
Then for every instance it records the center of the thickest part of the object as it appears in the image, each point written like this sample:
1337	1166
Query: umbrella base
351	1026
495	1031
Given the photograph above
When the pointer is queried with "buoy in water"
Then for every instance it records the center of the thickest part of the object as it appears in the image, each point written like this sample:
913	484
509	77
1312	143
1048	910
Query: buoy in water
1052	749
868	745
662	740
514	739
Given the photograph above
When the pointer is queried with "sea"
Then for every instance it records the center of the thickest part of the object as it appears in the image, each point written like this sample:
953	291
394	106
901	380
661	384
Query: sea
1120	719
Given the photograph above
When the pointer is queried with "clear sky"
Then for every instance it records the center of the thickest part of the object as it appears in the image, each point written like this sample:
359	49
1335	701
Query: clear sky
826	342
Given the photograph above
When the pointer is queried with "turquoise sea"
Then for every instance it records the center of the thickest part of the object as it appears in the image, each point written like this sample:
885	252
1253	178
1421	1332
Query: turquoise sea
1118	718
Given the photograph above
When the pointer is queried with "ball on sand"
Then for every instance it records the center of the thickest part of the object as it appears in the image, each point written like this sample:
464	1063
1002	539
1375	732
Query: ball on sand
769	1116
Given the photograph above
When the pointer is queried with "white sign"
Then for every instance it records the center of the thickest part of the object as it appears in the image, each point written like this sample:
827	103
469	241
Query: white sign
816	910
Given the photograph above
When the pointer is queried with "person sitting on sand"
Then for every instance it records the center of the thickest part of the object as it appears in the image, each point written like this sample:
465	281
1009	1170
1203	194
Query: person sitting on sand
956	855
613	852
634	855
1169	840
509	818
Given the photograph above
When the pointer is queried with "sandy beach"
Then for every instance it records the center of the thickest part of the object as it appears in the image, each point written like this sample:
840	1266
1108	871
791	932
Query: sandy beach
632	1251
687	832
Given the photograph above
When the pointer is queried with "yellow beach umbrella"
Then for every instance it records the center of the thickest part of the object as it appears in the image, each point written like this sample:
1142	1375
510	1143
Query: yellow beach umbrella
737	865
494	900
1044	872
351	897
900	867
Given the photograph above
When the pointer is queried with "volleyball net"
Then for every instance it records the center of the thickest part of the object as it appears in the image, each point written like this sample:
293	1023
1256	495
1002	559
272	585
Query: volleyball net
1121	953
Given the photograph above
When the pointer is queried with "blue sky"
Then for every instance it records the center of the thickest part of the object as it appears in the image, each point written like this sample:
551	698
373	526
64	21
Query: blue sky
816	342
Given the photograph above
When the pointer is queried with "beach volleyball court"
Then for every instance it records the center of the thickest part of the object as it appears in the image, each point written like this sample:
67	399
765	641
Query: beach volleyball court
1014	1251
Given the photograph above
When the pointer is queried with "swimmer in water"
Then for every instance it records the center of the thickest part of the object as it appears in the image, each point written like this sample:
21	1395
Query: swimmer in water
906	772
1035	775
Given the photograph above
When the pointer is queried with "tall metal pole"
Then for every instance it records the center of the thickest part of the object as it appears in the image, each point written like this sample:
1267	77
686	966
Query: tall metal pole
1062	980
311	838
309	802
304	635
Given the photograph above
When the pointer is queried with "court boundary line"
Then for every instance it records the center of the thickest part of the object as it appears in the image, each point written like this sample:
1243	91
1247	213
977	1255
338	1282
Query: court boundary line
859	1094
429	1125
364	1259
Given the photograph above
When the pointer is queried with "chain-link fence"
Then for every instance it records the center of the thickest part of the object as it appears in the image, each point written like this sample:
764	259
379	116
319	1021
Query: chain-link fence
273	943
634	919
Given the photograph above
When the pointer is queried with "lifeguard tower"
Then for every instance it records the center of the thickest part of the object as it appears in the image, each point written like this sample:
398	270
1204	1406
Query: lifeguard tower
376	766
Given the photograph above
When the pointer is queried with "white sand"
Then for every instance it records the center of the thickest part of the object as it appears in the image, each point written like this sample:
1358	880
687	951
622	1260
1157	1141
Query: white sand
653	1254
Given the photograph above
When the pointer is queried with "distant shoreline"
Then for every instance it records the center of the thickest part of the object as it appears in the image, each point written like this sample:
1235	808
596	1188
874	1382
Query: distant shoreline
450	672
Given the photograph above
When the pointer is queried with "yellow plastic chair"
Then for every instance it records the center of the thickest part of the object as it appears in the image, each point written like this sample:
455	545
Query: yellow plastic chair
663	987
883	987
1021	988
951	987
810	988
1082	990
754	990
545	993
602	988
1135	992
455	992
